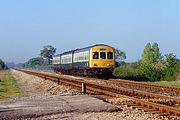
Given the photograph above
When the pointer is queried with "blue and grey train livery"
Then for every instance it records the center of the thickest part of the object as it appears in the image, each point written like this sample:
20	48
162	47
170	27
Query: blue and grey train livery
96	60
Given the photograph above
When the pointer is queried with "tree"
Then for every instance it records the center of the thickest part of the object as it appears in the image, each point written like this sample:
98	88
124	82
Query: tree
47	52
151	55
171	61
2	65
150	65
33	62
171	67
119	57
147	56
156	54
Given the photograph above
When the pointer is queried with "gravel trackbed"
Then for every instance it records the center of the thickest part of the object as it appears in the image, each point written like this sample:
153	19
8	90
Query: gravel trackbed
46	100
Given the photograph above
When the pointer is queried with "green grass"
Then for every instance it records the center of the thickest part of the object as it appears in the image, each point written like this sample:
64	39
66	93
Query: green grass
168	83
8	86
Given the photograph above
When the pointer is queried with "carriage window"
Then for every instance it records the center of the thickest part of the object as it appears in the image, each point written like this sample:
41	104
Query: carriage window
103	55
110	55
95	55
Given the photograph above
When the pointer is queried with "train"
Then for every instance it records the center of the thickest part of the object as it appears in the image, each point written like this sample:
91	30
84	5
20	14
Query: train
92	61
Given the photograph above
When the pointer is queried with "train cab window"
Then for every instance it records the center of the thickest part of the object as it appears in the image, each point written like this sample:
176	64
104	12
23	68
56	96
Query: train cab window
110	55
95	55
103	55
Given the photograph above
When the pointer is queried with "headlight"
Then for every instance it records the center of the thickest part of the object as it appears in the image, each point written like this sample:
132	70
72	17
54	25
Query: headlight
95	65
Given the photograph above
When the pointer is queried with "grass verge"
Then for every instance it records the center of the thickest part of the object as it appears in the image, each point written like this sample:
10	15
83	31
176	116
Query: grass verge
168	83
8	86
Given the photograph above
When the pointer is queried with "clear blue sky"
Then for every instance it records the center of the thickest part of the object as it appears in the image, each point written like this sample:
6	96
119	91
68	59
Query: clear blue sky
26	26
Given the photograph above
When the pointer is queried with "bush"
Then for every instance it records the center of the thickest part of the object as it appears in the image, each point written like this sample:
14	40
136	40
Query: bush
152	66
151	72
172	67
34	62
127	70
138	72
170	75
2	65
165	70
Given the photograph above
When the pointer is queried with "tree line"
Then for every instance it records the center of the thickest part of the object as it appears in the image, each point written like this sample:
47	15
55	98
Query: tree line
44	58
46	55
153	66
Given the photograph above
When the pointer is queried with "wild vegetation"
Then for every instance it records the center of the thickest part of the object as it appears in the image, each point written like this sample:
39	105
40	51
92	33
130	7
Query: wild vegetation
152	66
47	52
167	83
8	86
44	61
2	65
119	57
34	62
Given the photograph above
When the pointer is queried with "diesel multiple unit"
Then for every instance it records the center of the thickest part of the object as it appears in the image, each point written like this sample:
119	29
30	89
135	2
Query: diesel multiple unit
96	60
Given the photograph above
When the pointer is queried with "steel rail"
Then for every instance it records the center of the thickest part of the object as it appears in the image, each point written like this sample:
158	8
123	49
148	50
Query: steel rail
120	90
146	85
146	104
114	92
153	88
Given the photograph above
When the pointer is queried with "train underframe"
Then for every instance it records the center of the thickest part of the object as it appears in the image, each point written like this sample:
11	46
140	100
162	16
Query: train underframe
90	72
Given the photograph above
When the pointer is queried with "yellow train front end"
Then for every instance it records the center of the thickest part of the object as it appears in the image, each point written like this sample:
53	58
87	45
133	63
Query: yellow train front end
102	59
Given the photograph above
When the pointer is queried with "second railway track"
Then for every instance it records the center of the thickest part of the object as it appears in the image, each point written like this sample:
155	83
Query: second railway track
169	105
171	91
147	87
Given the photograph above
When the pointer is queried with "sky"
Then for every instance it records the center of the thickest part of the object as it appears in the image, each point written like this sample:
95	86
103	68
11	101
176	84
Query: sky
27	26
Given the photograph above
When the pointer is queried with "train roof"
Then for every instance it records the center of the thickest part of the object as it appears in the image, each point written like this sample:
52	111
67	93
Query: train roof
56	55
94	46
79	49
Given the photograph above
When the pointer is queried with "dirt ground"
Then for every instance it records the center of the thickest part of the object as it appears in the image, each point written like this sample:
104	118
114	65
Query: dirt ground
29	107
45	100
2	73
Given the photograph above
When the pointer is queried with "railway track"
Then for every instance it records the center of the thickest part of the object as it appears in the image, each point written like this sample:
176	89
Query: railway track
152	88
140	98
172	91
